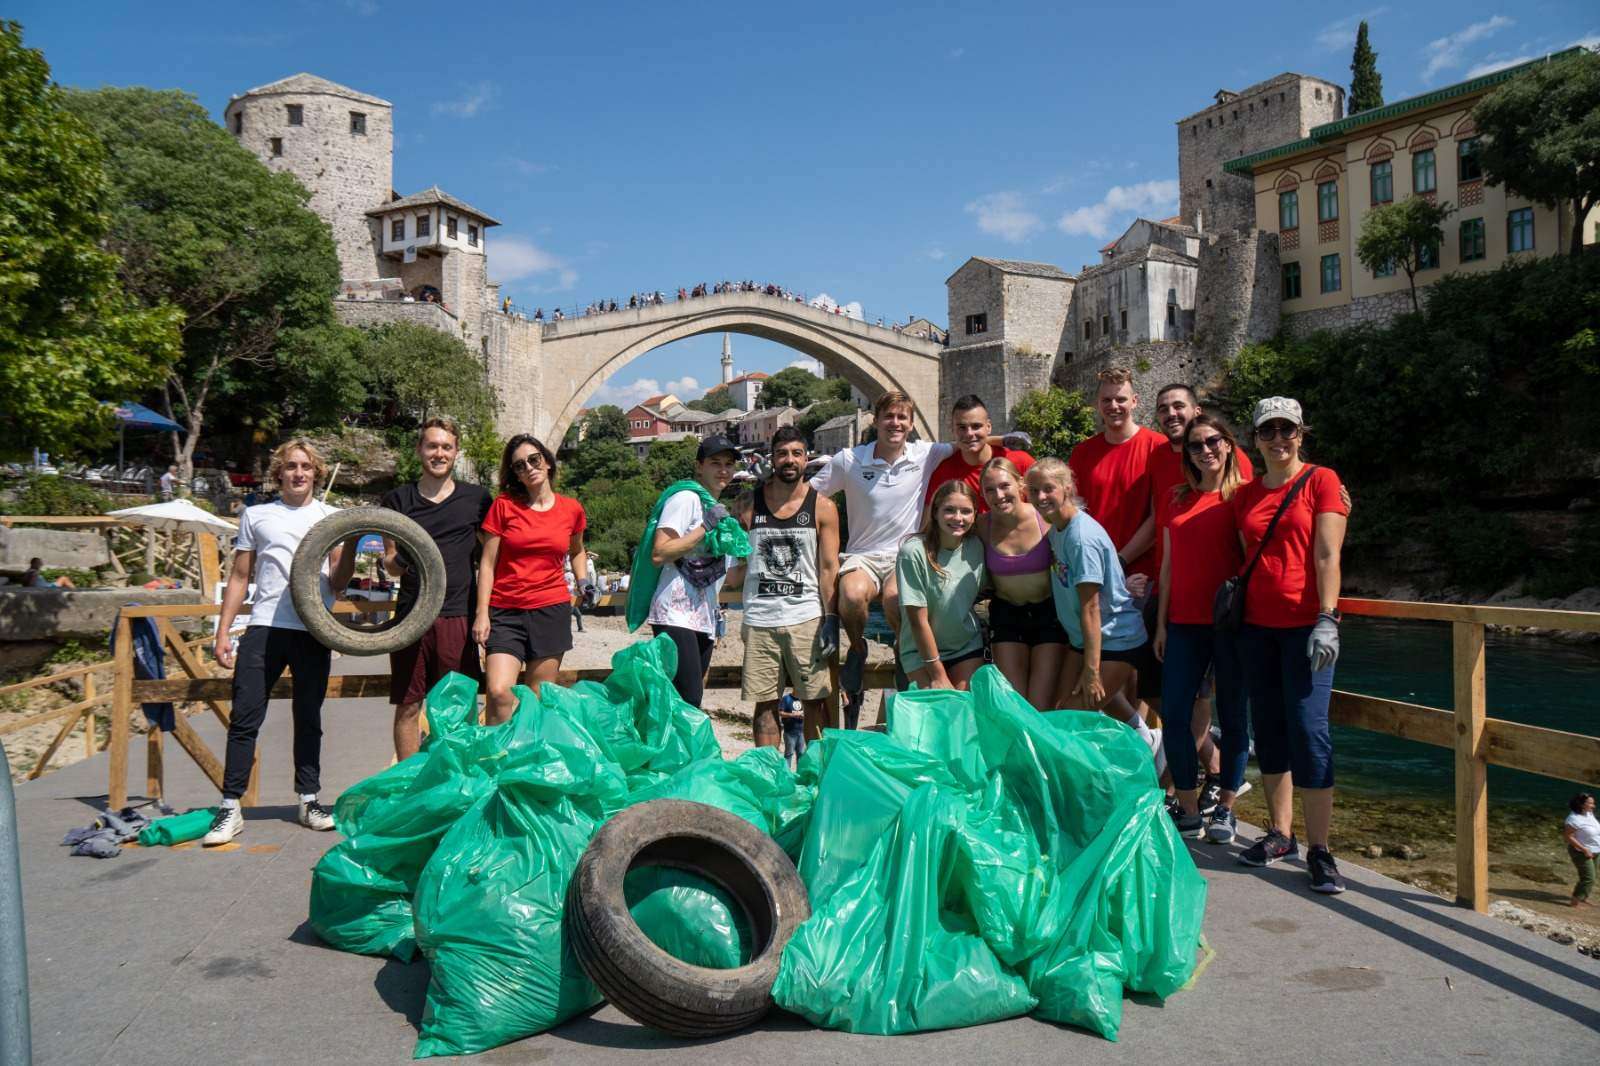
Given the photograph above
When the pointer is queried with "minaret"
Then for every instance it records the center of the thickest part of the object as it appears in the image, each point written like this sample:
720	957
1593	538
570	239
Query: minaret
727	358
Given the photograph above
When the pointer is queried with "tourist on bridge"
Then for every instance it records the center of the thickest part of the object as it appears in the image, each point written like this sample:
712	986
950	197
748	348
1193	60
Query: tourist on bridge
971	429
1199	551
276	639
524	614
1025	637
1105	630
1581	831
693	540
791	630
939	573
1292	523
451	512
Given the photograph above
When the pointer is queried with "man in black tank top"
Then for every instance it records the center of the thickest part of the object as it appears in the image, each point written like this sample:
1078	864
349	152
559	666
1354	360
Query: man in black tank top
791	632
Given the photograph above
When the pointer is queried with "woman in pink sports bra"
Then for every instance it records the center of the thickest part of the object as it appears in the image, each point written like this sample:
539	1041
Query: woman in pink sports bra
1025	636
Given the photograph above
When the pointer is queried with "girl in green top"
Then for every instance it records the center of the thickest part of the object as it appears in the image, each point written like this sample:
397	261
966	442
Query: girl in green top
940	571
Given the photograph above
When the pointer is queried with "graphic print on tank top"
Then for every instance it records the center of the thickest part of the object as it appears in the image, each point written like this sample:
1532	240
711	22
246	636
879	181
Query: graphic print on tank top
781	582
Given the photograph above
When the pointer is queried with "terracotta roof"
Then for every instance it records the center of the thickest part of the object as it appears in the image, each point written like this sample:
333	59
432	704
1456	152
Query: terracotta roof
309	84
651	401
754	375
432	195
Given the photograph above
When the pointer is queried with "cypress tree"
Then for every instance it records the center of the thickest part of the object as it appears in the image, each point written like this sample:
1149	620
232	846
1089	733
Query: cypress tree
1366	85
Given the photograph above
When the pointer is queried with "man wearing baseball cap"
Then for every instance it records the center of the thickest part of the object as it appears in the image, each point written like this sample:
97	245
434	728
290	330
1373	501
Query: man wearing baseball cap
692	543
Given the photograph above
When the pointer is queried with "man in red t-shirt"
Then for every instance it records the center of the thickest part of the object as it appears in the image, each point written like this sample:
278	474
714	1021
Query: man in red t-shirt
1112	473
970	429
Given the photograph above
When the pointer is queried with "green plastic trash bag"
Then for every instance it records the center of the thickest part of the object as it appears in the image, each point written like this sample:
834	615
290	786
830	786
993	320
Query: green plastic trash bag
758	786
728	538
490	903
452	705
688	917
177	828
982	860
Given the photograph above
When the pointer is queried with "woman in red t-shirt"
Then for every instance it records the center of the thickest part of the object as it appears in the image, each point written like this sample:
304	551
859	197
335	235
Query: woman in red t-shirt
1290	638
1199	551
524	618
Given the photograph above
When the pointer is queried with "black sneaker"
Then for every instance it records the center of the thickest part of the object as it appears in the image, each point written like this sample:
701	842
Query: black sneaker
1210	795
1174	808
1324	872
1188	825
1269	849
852	709
1222	827
855	666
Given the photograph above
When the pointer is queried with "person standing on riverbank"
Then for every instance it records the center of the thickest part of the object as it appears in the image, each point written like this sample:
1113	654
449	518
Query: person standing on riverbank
524	614
1199	551
684	604
276	639
791	632
451	513
1105	630
939	573
1025	636
1291	522
1581	831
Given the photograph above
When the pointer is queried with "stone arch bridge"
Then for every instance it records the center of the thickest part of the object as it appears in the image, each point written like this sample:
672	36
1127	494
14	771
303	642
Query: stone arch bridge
546	372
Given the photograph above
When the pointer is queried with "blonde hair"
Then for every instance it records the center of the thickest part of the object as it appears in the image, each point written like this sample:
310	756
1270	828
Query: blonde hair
1116	375
280	455
1057	472
893	398
930	520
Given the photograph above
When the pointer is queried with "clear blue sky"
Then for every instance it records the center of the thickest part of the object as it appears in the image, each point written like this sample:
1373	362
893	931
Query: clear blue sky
861	153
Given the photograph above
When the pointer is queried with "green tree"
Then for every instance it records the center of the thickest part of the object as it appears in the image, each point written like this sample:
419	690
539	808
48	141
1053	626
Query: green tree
606	422
669	461
605	459
616	511
1405	235
1055	418
714	402
419	373
1366	84
71	340
792	386
1541	136
202	225
823	412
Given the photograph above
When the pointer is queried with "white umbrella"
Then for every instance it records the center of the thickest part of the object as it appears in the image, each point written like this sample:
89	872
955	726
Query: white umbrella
177	516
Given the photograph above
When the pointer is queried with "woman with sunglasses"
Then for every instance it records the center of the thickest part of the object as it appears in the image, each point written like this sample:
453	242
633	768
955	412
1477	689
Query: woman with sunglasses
1199	551
524	617
1290	637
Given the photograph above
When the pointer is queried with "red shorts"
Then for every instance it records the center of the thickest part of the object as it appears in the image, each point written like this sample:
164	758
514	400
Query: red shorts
446	646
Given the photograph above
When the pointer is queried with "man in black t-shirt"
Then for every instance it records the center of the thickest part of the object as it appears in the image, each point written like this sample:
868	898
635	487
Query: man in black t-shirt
451	512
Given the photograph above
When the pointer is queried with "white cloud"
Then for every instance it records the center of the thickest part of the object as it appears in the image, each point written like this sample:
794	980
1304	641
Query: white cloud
473	98
957	53
626	394
1120	203
1449	52
828	303
810	365
1004	215
1337	36
1489	66
935	253
515	258
529	168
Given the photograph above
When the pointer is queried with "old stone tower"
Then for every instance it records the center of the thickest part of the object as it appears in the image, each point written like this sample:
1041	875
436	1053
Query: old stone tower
337	141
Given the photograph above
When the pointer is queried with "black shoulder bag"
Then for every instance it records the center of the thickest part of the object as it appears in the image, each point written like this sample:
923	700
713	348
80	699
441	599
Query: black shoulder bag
1227	610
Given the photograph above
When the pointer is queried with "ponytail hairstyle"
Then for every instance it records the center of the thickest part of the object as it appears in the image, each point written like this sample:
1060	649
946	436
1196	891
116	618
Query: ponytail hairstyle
930	522
1231	478
1057	472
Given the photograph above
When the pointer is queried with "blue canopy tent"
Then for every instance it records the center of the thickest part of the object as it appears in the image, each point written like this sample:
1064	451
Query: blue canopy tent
139	416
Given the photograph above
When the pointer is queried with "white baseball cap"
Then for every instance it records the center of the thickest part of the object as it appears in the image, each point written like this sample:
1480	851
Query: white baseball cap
1277	407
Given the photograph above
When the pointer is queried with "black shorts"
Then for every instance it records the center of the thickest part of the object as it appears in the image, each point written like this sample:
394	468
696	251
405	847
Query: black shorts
1032	624
530	635
1139	658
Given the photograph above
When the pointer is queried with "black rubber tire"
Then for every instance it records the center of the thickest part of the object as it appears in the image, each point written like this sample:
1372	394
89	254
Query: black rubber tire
401	631
640	979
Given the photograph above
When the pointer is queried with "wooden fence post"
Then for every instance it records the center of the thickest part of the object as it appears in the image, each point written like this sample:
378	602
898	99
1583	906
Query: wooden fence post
1472	771
210	563
90	741
121	709
154	766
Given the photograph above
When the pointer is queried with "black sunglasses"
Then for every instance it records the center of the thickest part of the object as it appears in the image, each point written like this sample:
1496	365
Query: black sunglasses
1275	429
535	463
1210	444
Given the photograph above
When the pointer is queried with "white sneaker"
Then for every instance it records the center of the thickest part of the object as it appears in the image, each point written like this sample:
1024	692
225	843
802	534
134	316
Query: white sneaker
228	824
1158	752
314	815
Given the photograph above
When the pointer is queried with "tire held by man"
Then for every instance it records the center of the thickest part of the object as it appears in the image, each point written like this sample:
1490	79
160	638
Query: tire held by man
305	581
642	980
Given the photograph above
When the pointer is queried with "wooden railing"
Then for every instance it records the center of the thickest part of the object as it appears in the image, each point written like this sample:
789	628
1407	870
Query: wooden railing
1478	740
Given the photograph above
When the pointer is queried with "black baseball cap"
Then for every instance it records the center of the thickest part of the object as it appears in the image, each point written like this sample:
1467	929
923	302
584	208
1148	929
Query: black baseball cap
715	444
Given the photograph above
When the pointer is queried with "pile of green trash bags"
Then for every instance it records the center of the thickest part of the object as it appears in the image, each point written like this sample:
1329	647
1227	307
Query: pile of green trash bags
977	862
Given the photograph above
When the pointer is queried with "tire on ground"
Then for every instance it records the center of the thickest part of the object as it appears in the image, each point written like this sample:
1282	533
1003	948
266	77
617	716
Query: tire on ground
639	978
305	581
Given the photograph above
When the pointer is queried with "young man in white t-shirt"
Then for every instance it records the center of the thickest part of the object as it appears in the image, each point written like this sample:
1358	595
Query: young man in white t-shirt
276	638
1581	831
884	484
684	606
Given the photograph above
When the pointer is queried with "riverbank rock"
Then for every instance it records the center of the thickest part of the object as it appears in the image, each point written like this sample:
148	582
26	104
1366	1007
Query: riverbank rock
1407	852
1372	851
